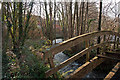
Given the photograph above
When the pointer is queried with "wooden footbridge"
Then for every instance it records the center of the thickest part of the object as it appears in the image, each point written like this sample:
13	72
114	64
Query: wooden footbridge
90	63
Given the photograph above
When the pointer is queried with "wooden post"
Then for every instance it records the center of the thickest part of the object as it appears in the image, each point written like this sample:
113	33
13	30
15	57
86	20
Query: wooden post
87	54
52	65
114	43
104	47
108	40
104	38
117	42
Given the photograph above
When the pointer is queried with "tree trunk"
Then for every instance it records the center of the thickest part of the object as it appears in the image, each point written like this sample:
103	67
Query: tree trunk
27	24
99	24
55	21
47	19
70	21
51	24
20	21
66	22
77	20
86	18
82	17
73	24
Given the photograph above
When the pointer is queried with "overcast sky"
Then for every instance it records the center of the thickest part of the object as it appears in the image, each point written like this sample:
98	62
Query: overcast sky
105	2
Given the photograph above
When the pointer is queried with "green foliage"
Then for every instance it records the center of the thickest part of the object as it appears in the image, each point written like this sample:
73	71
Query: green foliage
34	66
35	43
90	20
59	76
29	66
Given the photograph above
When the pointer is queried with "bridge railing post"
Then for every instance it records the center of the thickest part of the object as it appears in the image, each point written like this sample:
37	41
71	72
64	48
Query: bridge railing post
107	39
114	43
117	42
104	47
52	65
104	38
87	54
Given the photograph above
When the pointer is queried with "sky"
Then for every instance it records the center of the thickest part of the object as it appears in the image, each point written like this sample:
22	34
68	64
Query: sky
105	2
61	0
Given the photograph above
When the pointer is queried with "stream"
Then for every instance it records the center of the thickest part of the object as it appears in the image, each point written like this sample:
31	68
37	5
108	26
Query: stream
60	57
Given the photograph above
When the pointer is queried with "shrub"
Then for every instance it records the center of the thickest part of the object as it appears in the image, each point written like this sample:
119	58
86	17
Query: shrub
28	66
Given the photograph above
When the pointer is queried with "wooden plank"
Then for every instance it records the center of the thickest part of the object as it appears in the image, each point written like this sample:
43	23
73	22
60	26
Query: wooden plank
76	40
72	59
112	72
108	57
85	68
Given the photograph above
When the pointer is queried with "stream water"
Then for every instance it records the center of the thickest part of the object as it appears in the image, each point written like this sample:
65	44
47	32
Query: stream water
60	57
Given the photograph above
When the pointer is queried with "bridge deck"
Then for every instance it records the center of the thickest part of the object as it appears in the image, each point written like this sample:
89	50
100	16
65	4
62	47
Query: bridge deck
112	72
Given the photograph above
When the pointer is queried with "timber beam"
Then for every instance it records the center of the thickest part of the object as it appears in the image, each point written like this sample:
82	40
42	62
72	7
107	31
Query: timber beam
86	68
112	72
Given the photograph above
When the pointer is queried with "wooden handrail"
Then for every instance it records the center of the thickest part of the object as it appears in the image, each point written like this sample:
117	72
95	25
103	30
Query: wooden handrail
72	42
73	58
76	40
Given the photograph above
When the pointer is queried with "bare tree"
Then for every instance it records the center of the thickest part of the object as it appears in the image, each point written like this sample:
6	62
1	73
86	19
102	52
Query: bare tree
82	17
55	20
99	24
